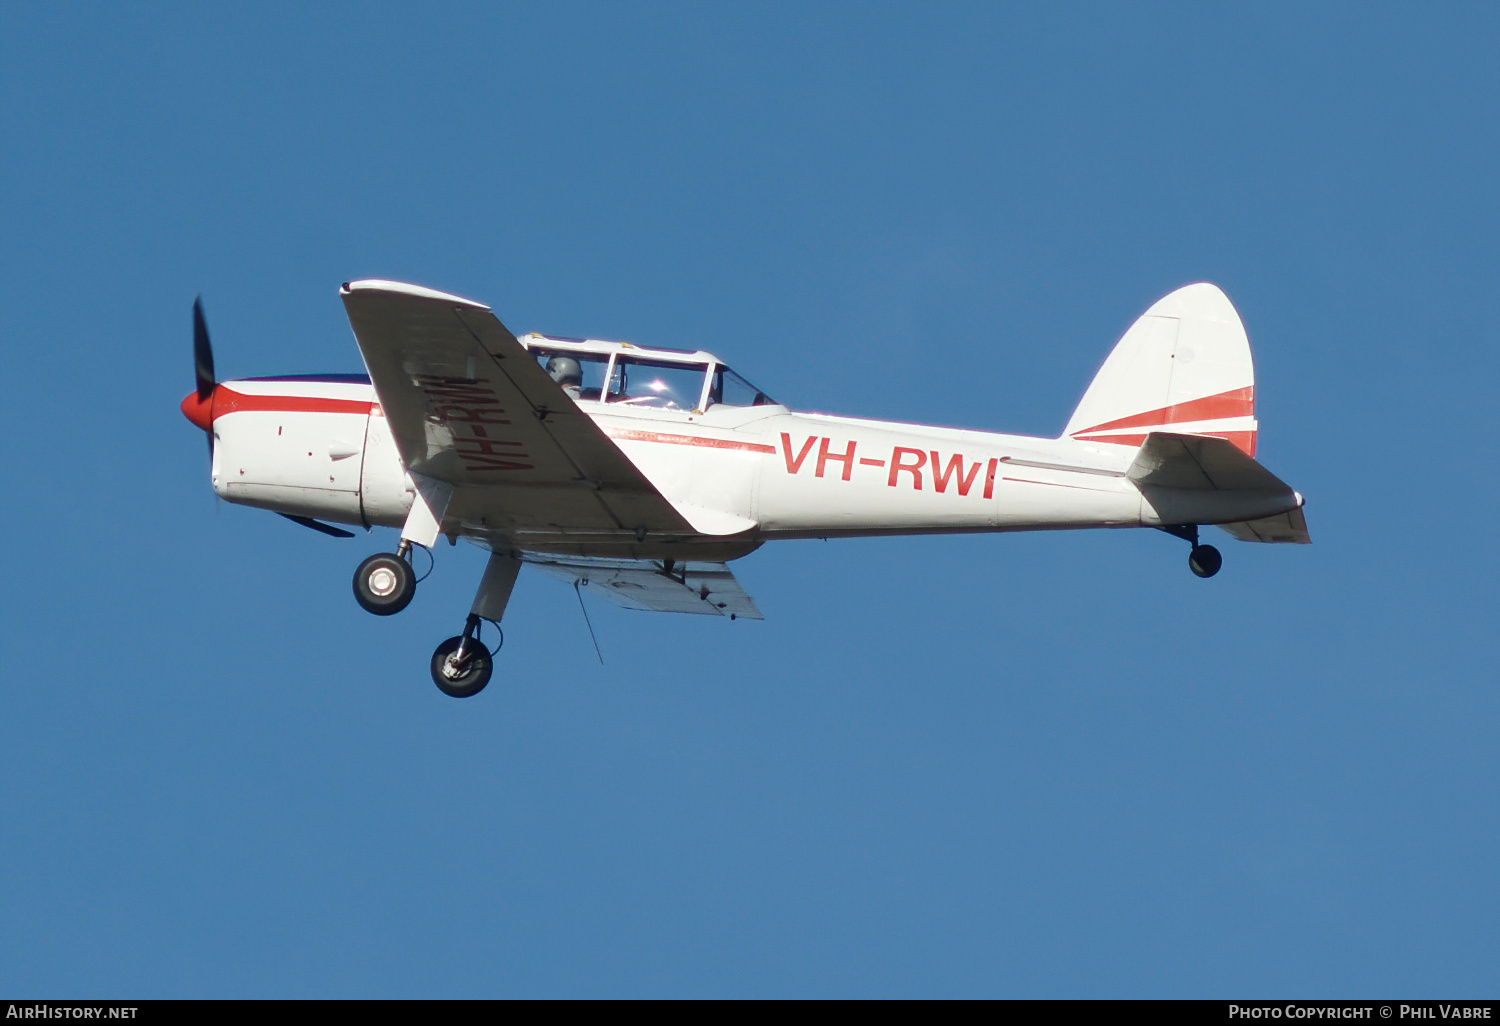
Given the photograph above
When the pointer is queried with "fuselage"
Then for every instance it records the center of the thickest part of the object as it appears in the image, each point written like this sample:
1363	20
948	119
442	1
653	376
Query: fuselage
743	471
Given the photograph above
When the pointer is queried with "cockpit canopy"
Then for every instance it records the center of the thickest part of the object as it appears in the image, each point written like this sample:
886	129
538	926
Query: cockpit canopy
628	375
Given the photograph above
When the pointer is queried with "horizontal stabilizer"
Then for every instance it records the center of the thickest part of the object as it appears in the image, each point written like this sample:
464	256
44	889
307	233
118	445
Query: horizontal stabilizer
1199	479
1170	460
1286	528
690	586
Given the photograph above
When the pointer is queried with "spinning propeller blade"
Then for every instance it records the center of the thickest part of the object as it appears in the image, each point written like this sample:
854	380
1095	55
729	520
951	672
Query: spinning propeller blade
203	352
199	407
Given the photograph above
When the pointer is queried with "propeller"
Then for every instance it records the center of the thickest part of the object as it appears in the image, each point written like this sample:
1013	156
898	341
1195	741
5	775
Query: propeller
203	352
199	407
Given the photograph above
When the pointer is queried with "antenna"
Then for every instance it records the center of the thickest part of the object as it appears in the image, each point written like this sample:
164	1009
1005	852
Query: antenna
578	582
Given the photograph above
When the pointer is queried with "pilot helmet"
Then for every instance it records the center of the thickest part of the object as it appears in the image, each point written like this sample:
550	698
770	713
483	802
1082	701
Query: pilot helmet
565	370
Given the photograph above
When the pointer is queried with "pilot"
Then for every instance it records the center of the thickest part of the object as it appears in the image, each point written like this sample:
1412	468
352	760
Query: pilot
568	373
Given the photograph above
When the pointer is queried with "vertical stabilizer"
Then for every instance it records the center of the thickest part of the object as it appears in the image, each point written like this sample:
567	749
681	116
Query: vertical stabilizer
1184	366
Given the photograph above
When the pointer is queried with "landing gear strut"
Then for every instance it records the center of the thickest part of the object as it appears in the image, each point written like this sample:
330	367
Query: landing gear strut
1203	560
461	666
384	584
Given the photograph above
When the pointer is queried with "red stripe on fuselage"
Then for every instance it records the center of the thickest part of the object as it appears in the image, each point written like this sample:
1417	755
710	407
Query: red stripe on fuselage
710	443
224	401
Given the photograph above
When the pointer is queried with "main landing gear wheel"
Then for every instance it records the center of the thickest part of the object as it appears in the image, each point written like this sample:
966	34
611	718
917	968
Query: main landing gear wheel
384	584
465	676
1205	560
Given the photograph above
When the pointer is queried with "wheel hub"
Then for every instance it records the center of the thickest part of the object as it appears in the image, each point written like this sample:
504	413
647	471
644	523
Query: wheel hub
383	581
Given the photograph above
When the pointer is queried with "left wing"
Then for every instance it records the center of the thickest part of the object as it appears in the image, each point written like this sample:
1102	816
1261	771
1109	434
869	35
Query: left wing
470	407
666	587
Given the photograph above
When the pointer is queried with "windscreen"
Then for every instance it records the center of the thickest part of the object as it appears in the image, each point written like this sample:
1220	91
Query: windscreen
729	389
657	383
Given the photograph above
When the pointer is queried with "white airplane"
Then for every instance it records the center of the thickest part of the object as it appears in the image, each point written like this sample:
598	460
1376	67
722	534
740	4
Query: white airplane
640	472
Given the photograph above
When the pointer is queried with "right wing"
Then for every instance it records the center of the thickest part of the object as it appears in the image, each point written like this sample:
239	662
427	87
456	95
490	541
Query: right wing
690	587
469	406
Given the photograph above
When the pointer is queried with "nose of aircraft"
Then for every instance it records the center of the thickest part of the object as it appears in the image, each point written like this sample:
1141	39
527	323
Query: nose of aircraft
200	411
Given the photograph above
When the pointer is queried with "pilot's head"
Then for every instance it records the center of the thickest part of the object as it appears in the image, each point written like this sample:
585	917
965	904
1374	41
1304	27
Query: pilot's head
566	371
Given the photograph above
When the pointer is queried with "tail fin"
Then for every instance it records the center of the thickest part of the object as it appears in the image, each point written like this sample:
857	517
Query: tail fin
1184	366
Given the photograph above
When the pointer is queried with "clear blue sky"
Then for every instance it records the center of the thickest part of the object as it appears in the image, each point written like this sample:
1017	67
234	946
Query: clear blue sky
1030	765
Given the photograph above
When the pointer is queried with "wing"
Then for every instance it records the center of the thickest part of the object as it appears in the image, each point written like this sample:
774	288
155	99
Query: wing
467	405
689	587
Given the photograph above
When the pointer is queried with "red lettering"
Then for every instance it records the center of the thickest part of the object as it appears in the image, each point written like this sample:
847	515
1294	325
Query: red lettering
824	457
914	468
459	390
450	412
794	465
453	396
989	479
470	446
954	470
476	461
477	431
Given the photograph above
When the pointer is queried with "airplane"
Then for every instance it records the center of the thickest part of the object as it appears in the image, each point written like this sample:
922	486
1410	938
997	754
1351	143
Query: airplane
640	473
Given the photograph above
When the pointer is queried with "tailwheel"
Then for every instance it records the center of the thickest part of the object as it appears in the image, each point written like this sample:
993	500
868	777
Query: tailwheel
461	666
1205	560
384	584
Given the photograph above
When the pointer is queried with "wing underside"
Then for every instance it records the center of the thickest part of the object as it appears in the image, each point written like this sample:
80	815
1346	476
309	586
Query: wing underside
469	406
689	586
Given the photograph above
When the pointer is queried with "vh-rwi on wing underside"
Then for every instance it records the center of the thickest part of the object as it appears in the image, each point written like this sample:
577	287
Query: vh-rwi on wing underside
469	407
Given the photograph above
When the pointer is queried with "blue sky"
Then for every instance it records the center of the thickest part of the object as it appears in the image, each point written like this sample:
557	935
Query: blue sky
1030	765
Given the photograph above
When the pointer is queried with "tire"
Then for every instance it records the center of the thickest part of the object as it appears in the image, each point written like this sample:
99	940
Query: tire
476	672
384	584
1205	560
